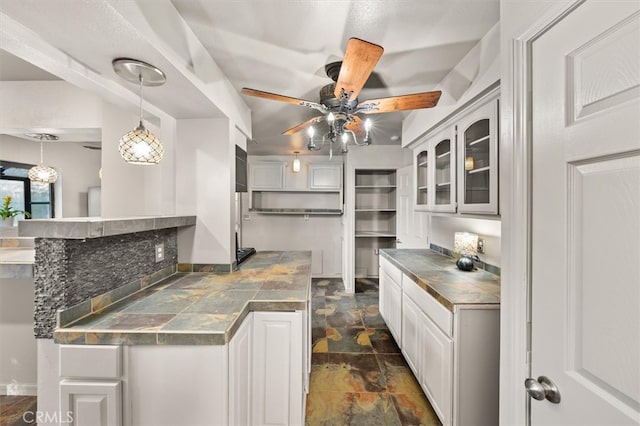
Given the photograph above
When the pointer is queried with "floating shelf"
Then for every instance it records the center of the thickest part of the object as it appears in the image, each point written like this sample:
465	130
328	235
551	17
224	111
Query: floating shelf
298	211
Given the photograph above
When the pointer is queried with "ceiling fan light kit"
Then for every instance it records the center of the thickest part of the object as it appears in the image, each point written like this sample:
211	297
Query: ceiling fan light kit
41	173
140	146
339	104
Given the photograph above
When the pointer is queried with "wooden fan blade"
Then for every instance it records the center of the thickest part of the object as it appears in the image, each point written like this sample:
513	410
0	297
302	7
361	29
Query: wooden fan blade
302	126
356	126
280	98
400	103
358	63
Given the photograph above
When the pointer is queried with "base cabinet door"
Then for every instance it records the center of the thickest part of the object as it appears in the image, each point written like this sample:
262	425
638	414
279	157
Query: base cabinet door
240	348
436	377
393	308
90	403
411	330
277	394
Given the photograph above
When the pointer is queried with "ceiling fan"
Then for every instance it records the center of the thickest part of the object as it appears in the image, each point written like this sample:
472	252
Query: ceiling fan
339	105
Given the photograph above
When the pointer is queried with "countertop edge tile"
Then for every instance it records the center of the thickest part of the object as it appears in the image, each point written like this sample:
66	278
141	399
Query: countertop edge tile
449	303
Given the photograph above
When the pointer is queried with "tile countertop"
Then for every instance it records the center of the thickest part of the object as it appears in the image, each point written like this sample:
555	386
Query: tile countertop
438	275
199	308
16	257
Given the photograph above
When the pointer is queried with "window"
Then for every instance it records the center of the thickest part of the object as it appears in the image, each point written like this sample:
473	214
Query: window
35	198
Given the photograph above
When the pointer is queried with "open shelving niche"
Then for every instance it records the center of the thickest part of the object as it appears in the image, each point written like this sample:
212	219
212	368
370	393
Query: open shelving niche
375	217
315	202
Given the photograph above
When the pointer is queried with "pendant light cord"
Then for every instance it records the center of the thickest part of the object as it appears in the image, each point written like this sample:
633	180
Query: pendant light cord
41	149
141	98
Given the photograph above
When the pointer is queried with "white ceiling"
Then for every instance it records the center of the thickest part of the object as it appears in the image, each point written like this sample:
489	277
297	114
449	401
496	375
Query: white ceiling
278	46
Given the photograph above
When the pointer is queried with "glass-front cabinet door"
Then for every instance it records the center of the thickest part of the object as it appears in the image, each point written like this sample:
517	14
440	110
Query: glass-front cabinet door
422	179
444	179
478	161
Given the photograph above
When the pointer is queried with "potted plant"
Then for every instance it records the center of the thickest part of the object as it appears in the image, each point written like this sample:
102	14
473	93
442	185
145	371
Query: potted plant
7	213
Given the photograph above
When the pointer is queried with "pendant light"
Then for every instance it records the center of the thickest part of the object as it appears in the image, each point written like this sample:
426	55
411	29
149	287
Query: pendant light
296	163
42	173
140	146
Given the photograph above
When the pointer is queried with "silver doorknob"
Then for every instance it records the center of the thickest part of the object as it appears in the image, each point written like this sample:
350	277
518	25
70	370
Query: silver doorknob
543	388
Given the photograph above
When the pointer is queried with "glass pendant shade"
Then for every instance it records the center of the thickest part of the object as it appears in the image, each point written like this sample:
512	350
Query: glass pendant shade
140	146
296	163
43	174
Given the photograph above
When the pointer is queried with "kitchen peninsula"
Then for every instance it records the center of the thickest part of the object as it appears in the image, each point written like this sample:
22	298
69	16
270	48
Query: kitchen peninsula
162	346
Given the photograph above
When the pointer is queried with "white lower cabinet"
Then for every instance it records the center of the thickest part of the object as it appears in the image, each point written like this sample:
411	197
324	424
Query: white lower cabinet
90	403
277	369
90	386
259	378
411	333
436	375
240	351
454	355
390	302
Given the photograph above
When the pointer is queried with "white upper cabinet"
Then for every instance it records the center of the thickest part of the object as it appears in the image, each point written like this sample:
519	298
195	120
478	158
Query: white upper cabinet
422	177
443	157
457	168
325	176
436	172
267	175
478	160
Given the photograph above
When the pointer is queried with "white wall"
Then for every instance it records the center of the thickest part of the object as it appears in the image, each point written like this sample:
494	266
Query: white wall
129	189
443	229
205	187
470	77
18	348
77	169
47	104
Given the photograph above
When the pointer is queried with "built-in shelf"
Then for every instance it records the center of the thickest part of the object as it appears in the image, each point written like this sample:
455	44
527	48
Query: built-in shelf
443	184
423	163
297	202
478	170
381	187
444	154
480	140
374	218
374	234
298	211
422	188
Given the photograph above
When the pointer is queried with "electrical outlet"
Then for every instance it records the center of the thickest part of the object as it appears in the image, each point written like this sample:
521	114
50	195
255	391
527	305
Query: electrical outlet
376	251
159	252
480	245
306	217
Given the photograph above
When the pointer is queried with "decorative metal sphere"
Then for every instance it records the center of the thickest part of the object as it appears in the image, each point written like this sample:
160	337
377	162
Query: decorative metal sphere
140	146
465	263
42	173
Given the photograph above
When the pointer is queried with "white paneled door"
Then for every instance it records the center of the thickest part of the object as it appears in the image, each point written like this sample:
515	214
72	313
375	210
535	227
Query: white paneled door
407	234
585	253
